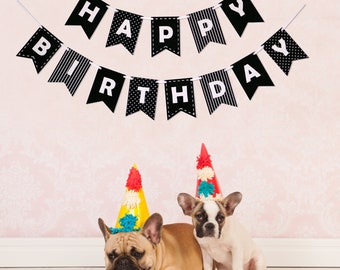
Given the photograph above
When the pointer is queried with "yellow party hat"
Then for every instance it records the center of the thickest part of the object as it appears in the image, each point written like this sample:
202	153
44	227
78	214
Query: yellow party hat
134	210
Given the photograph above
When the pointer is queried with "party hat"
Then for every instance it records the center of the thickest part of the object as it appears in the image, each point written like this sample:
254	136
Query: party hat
134	210
207	184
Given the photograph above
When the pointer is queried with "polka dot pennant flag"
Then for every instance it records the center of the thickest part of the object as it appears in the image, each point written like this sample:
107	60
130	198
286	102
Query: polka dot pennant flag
41	47
283	50
142	96
124	30
179	94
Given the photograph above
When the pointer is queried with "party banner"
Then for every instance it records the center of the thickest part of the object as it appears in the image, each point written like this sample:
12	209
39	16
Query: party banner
106	87
41	47
179	96
142	97
251	74
165	34
240	13
88	14
205	28
217	90
125	28
283	50
70	70
179	93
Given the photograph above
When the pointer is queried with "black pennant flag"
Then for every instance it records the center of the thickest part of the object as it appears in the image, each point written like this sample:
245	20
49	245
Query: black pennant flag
217	90
142	96
240	13
70	70
88	14
283	50
41	47
124	30
251	74
205	28
106	87
179	96
165	34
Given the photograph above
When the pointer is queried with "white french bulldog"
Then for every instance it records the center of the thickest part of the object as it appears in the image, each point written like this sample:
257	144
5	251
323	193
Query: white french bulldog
224	242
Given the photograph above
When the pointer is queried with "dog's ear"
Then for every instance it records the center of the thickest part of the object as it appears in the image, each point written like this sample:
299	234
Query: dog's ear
231	201
152	228
187	202
105	230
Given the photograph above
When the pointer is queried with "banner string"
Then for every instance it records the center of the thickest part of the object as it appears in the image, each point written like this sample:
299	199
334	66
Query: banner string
34	18
150	18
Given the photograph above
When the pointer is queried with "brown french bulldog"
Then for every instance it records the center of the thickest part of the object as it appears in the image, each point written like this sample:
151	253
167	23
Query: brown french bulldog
154	247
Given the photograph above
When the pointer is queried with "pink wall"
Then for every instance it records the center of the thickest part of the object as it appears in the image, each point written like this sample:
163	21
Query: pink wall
63	163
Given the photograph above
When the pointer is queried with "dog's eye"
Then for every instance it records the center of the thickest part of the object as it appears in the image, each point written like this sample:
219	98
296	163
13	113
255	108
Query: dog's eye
220	218
138	255
199	217
112	255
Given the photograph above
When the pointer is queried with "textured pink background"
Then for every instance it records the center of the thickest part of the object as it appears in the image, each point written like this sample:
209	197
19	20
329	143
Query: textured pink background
63	163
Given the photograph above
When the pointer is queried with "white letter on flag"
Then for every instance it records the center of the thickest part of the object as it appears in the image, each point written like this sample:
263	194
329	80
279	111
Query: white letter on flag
183	94
217	85
125	28
250	73
205	26
165	32
86	9
238	9
282	49
142	90
42	46
107	84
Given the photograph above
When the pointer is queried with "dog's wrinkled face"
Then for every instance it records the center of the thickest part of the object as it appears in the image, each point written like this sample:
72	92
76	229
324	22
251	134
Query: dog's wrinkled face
129	251
209	217
132	250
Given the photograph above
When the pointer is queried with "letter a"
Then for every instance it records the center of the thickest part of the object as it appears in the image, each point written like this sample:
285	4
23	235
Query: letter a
125	28
250	73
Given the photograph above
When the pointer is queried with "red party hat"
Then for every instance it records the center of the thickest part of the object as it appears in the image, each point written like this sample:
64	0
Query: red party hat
207	184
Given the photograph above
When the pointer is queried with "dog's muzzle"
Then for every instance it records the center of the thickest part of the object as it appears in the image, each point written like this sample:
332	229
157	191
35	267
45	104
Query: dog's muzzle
125	263
209	229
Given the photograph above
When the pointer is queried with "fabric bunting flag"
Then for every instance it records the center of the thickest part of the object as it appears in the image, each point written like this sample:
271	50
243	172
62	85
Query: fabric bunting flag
106	87
240	13
251	74
124	30
70	70
88	14
217	90
41	47
283	50
142	97
179	95
205	28
165	34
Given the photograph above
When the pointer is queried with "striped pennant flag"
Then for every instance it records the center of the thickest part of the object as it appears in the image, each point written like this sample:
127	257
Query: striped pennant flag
205	28
70	70
217	90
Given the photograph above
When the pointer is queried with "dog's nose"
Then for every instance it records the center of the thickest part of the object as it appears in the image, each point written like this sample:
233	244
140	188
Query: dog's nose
210	226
